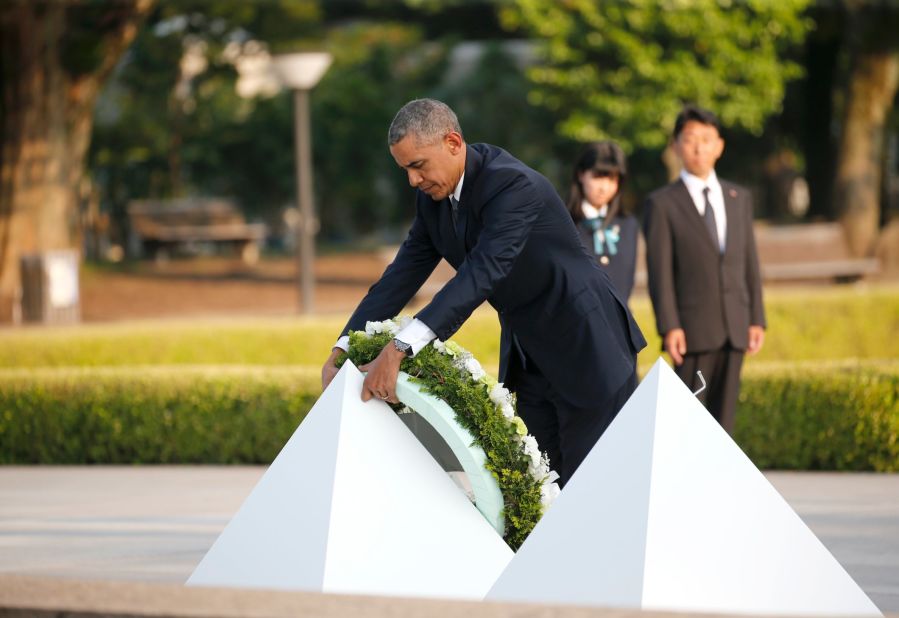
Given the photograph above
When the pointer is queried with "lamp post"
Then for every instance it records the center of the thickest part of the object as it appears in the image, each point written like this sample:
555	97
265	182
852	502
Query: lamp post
301	72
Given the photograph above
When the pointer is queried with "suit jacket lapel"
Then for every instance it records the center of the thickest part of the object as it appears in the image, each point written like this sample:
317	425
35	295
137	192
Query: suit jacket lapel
691	215
473	163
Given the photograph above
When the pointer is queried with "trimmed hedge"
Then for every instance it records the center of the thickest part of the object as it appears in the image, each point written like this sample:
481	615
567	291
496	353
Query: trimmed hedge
150	416
806	417
791	416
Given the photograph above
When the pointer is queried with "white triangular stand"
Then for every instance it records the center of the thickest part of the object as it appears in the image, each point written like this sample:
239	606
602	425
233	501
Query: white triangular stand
667	513
354	504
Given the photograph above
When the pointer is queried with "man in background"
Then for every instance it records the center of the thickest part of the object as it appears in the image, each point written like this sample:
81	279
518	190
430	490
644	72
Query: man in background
703	268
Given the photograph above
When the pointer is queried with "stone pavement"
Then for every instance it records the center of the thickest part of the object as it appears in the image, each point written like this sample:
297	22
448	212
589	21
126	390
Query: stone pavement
155	523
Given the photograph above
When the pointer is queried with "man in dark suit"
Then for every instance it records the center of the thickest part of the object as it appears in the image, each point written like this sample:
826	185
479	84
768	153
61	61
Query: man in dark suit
568	344
703	269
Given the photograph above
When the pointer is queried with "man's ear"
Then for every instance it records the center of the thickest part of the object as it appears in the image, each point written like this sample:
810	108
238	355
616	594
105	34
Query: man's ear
454	141
720	148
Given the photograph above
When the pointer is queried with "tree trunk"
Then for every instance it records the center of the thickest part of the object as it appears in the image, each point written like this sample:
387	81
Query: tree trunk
871	89
54	56
823	77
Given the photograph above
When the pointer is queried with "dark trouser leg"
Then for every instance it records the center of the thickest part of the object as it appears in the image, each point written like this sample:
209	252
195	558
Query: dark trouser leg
721	370
725	401
581	428
539	414
565	432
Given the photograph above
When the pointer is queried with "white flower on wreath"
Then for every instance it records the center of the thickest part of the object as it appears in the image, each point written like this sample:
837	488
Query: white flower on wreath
549	491
439	346
375	328
502	399
532	450
473	367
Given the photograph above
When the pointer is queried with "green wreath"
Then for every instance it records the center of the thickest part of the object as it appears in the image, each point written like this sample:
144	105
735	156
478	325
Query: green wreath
484	408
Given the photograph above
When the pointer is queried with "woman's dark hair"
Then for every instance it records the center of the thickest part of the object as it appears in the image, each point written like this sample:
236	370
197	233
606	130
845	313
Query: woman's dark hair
602	159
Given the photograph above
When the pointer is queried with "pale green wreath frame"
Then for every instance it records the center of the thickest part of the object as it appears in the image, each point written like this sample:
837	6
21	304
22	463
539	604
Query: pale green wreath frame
487	495
468	403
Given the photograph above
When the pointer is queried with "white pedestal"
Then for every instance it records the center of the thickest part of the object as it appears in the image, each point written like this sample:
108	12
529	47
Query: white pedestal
354	504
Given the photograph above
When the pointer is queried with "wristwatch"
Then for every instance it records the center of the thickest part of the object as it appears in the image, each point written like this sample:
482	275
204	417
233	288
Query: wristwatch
402	346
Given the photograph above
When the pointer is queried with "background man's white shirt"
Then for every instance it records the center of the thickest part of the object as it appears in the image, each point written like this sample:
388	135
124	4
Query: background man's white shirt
695	185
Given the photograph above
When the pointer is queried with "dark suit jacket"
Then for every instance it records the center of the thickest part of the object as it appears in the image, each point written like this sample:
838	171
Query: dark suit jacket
713	297
622	265
517	248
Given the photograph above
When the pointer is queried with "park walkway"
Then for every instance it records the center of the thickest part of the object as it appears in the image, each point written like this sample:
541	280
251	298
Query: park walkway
155	523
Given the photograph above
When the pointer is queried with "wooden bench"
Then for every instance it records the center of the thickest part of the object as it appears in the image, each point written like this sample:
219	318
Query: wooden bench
809	251
157	226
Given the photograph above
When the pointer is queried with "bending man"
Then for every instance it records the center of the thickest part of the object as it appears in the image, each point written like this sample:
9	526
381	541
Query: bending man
568	345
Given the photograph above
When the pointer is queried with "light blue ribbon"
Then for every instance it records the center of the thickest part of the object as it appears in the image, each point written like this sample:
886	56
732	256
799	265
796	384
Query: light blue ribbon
608	237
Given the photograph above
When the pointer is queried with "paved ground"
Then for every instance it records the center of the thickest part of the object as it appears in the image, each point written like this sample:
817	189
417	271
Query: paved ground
154	524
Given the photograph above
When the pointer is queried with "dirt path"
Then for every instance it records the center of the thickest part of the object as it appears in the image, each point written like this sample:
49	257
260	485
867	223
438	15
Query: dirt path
227	287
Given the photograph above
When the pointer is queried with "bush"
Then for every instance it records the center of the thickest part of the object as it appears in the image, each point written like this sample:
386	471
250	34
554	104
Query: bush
150	416
807	417
793	416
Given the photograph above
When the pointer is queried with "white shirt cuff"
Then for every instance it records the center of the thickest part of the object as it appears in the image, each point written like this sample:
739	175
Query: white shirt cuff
417	334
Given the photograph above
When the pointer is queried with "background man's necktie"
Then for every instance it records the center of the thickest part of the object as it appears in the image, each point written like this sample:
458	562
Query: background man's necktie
455	205
710	219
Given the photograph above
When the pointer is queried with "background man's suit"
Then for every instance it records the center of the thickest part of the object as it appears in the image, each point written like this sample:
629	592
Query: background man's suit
515	246
714	297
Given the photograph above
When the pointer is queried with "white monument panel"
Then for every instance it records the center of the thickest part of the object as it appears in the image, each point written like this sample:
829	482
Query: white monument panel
355	504
279	536
667	513
720	537
589	547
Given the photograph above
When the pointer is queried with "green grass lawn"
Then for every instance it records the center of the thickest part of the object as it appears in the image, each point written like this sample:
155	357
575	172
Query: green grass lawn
811	324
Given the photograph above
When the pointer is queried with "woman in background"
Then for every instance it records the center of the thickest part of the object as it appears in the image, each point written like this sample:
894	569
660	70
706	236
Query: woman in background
595	205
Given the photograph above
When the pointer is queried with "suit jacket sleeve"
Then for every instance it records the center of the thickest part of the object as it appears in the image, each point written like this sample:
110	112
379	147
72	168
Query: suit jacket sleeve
660	265
507	212
414	262
753	275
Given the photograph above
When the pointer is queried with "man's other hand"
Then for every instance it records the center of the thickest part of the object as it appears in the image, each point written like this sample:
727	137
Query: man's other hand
382	372
676	345
329	369
756	339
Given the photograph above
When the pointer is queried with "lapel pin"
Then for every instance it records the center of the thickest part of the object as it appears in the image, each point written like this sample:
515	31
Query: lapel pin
732	193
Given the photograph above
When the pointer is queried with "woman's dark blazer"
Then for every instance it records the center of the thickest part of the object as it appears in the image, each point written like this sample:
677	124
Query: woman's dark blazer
622	265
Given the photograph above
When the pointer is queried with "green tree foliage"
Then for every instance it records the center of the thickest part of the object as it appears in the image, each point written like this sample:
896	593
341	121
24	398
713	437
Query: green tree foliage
161	132
495	92
622	70
378	66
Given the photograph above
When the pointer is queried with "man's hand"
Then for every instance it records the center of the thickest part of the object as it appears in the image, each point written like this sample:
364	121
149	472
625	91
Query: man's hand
329	370
756	339
676	345
382	372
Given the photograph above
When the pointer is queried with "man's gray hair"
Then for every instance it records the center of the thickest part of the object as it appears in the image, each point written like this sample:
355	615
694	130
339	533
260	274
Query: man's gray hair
427	119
